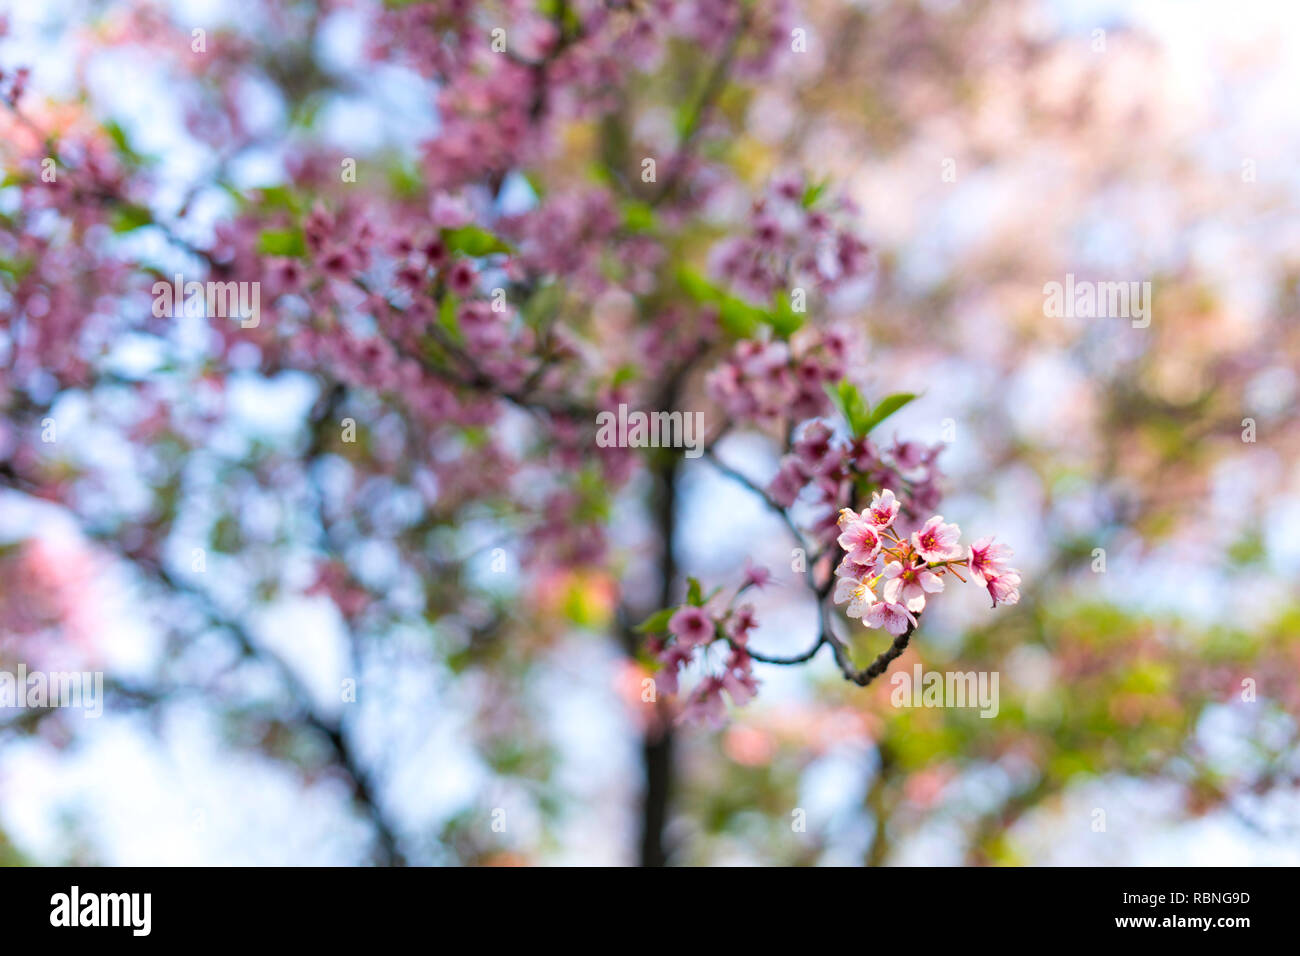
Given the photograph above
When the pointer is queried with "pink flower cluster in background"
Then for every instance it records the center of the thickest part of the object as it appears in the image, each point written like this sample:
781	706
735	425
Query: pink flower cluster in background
825	470
693	631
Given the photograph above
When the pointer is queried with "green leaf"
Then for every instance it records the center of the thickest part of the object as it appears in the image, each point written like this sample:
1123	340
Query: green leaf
118	135
17	269
123	145
694	593
404	180
130	216
1248	549
785	320
282	242
473	241
536	183
740	319
697	287
638	216
226	535
656	623
543	305
685	116
277	197
813	193
593	494
563	12
447	315
855	409
887	406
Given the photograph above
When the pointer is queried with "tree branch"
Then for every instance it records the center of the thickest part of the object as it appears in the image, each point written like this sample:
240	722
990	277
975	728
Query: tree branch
827	636
342	752
713	87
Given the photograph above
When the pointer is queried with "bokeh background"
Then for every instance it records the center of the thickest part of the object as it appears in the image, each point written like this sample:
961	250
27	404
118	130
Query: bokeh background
1140	141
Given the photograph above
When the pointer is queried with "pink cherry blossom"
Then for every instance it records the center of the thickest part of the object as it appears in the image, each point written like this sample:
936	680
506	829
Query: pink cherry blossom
894	618
435	253
755	576
848	568
461	278
742	622
691	626
787	484
907	455
858	539
673	658
936	541
815	450
1003	588
884	508
988	559
856	592
737	679
706	705
909	584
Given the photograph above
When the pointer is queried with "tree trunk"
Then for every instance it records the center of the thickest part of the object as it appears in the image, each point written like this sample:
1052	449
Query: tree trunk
657	743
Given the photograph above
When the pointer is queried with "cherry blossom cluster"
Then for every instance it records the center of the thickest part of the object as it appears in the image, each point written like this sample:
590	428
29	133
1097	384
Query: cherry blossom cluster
765	382
571	233
54	286
827	470
793	242
435	309
693	630
13	84
903	569
709	23
504	69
